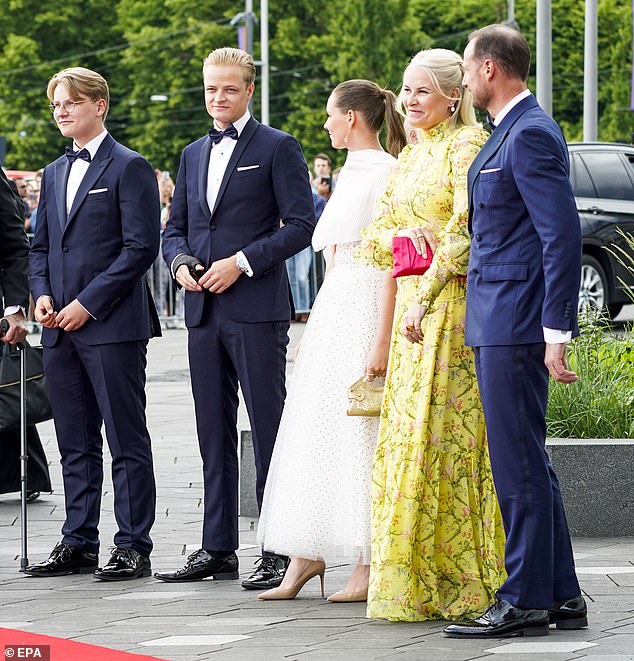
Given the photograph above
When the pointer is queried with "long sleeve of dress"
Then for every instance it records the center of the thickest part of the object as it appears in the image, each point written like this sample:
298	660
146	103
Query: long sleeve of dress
452	254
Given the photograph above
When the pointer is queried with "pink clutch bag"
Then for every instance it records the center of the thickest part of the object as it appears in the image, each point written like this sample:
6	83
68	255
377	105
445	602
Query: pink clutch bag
406	260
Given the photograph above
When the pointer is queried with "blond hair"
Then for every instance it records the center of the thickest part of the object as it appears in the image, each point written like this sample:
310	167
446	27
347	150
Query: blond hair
80	82
446	70
232	57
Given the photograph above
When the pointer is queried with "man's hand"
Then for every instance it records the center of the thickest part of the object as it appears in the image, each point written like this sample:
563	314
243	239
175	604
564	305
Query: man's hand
220	275
72	317
421	238
410	326
555	361
44	312
17	328
184	277
323	189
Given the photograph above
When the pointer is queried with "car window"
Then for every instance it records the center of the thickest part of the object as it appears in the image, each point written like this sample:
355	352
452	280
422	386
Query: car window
581	183
609	175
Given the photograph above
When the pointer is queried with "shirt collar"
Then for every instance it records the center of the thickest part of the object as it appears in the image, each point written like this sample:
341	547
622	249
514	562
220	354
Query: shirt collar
93	145
510	105
239	123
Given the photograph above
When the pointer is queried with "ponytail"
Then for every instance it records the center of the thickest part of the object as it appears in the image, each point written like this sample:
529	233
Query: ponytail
396	138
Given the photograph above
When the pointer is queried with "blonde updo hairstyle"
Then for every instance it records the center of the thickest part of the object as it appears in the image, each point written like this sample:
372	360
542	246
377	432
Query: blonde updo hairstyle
446	70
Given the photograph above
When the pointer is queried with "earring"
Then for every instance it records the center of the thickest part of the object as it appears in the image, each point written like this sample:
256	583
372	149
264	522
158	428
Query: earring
452	107
348	133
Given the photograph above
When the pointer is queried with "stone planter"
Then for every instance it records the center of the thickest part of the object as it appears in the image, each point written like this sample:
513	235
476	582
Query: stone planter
597	483
596	477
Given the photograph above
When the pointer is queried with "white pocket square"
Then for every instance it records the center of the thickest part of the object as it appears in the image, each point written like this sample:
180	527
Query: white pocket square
97	190
490	170
246	167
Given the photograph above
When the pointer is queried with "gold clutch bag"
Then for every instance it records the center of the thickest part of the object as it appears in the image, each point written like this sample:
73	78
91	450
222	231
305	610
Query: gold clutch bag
365	397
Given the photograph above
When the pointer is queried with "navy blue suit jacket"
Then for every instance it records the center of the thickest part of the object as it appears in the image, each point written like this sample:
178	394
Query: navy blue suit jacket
100	251
525	259
266	181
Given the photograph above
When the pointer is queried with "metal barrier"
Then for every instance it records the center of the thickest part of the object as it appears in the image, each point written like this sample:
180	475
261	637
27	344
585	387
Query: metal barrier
169	301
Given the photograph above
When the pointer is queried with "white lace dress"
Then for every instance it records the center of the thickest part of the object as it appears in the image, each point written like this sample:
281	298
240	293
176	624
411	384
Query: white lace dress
317	496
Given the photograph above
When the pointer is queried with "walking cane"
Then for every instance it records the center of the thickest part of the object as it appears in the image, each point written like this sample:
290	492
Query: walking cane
24	561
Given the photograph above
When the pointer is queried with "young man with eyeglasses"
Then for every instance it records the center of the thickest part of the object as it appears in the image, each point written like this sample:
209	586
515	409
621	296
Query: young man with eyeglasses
97	234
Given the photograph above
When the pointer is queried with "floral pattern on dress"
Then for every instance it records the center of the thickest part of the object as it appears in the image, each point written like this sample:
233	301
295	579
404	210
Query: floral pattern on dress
437	536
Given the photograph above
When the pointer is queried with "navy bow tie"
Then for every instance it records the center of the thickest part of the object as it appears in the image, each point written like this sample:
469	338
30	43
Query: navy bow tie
230	132
73	155
490	123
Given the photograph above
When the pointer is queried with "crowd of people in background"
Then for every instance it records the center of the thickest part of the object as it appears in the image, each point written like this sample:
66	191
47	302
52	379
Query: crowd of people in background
445	503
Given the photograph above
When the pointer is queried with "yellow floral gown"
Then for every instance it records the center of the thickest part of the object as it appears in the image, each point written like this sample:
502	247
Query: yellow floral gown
437	536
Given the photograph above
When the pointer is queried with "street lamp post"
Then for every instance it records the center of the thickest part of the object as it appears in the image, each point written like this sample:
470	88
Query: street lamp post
264	61
590	58
544	59
245	22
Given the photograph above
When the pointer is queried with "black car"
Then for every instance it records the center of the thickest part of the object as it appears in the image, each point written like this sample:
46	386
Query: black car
602	176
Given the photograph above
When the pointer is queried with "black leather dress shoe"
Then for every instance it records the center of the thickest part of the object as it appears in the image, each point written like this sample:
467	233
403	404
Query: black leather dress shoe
32	496
202	564
502	620
268	573
124	565
65	559
569	613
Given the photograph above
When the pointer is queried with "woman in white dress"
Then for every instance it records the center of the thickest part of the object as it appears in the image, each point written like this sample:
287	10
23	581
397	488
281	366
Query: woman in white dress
317	498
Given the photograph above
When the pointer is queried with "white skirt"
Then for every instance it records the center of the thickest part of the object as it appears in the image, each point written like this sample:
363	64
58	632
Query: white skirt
317	496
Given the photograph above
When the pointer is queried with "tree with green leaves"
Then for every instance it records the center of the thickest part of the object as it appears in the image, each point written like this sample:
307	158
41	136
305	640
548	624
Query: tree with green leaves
151	52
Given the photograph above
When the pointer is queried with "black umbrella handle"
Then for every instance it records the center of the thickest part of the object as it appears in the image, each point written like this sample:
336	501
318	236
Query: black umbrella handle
4	327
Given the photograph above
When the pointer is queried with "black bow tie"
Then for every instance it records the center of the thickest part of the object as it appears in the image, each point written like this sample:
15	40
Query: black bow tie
73	155
490	123
230	132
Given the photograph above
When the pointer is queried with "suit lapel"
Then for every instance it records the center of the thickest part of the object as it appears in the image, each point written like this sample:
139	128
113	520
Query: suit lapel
95	170
203	174
494	142
238	150
62	168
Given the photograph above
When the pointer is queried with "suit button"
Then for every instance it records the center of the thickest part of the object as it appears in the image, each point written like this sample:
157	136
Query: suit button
480	205
212	227
64	249
478	237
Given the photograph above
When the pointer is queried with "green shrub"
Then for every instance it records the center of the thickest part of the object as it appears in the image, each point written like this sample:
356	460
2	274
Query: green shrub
601	403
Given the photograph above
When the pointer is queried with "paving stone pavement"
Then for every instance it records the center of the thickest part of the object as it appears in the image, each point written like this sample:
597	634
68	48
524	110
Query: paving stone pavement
220	620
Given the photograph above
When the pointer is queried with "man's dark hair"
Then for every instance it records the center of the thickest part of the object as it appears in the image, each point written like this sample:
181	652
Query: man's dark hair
505	46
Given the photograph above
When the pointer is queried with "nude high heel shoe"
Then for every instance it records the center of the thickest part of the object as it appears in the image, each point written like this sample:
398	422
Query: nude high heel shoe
315	568
342	597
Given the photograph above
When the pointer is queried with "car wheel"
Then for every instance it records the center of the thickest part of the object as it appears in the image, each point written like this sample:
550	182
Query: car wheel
593	289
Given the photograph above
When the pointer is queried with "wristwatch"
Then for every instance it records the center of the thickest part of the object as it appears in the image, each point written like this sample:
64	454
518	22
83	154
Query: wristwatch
241	263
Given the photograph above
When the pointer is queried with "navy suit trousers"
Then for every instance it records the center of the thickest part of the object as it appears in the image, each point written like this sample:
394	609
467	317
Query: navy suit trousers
223	352
89	385
513	384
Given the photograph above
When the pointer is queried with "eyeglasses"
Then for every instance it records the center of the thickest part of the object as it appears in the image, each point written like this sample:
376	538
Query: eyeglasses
65	106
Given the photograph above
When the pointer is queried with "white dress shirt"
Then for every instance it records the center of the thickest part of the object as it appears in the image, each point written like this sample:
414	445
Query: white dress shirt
76	175
551	335
218	161
79	168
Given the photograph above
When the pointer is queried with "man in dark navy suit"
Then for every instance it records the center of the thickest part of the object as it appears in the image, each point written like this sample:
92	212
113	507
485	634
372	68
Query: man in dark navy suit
522	288
14	249
241	207
14	296
97	235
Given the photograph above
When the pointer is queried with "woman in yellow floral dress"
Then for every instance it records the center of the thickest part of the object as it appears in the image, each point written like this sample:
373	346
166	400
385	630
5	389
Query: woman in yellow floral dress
437	537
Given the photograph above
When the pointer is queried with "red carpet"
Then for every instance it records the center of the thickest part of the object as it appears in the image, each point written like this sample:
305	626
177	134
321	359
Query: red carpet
25	645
